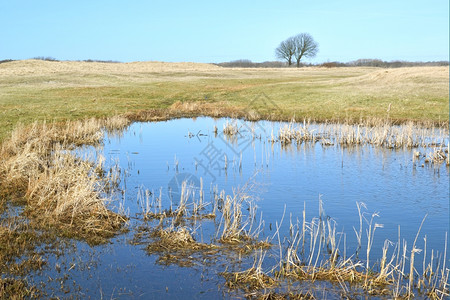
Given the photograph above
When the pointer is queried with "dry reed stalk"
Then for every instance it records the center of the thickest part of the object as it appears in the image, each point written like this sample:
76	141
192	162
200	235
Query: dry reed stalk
359	233
370	235
181	210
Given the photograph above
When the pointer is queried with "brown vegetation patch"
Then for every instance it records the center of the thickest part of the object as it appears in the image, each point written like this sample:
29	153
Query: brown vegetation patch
178	247
249	280
281	296
11	288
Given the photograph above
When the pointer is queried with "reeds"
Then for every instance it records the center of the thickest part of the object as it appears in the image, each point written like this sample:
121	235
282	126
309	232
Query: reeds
380	133
321	260
67	194
11	288
313	251
437	156
254	278
230	128
236	227
60	189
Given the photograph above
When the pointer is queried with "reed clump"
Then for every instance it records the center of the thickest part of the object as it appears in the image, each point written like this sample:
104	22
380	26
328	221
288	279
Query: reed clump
248	280
375	132
18	244
58	189
237	228
272	295
167	233
438	156
176	245
230	128
254	278
175	240
67	195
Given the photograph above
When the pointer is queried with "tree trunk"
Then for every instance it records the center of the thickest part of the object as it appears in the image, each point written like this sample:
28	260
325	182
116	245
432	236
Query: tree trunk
298	61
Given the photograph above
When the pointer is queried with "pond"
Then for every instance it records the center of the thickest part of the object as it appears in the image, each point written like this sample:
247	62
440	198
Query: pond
360	189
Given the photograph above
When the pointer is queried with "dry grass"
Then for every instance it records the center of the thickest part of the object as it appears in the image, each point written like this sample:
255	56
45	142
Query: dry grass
437	156
15	289
251	279
172	240
66	194
59	189
281	296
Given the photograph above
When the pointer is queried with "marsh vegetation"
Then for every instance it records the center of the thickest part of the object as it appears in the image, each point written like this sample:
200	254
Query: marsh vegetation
256	244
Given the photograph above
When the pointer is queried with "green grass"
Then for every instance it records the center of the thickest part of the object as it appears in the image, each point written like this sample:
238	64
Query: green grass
55	91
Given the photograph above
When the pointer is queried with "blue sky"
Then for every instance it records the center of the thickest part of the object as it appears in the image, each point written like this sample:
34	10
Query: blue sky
205	31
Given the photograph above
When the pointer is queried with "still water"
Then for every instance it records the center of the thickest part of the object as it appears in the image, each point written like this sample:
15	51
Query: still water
285	180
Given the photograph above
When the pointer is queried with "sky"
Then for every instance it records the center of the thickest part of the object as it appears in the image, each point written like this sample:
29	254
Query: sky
210	31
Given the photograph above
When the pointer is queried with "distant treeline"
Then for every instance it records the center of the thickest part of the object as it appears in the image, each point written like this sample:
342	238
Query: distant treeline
49	58
246	63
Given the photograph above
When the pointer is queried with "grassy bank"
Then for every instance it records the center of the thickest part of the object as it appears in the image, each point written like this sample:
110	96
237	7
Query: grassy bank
56	91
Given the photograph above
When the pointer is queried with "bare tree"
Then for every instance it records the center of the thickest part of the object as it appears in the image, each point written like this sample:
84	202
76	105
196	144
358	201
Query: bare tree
305	46
286	50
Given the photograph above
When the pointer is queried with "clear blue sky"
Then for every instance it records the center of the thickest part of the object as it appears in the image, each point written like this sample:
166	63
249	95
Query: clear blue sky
206	31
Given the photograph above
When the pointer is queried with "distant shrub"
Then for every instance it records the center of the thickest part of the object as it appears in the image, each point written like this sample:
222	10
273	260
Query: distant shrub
329	65
246	63
5	61
393	64
101	61
46	58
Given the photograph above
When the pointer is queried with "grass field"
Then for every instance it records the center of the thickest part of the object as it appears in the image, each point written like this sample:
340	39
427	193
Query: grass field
54	91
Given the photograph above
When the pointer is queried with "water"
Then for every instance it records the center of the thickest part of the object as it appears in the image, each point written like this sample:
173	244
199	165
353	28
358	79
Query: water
285	179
